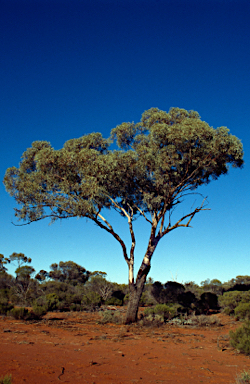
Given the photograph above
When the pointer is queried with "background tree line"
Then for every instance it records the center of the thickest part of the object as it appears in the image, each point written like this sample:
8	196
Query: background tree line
70	287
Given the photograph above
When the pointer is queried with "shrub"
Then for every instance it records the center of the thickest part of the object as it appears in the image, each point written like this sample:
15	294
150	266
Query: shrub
243	378
148	311
168	312
110	317
39	311
5	306
152	320
164	311
113	301
126	299
230	300
75	307
205	321
91	300
147	298
242	311
167	293
7	379
240	339
52	301
19	313
24	314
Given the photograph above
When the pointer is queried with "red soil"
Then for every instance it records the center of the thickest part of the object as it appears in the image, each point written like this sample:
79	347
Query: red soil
74	348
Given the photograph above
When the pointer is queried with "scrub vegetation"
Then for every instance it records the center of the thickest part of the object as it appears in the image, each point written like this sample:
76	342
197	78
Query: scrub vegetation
70	287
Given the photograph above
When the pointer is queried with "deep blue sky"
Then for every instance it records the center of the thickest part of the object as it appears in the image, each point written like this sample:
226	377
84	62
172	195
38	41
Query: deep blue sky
72	67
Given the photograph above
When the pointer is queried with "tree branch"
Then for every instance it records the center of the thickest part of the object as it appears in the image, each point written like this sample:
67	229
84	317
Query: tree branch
110	230
190	215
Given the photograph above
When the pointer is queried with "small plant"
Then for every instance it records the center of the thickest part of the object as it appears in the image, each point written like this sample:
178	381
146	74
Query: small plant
52	301
5	306
7	379
230	300
243	378
205	321
152	320
240	339
91	301
19	313
110	317
24	314
113	301
163	310
242	311
75	307
39	311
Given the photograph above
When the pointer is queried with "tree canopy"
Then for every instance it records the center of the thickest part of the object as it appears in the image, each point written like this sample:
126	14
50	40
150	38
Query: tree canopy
155	164
66	271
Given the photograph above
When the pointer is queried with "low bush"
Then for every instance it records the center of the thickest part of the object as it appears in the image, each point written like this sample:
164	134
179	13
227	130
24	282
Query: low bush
243	378
204	321
110	317
242	311
113	301
7	379
5	307
230	300
24	314
52	301
165	311
152	320
91	301
19	313
38	311
240	339
75	307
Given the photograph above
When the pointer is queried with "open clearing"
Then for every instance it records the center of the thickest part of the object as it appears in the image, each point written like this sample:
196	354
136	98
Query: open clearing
74	348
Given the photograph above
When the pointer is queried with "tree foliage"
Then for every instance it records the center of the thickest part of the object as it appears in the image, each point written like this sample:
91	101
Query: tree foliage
66	271
3	262
158	161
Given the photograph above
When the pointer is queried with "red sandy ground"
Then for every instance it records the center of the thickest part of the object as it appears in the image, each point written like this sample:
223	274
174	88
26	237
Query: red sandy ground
74	348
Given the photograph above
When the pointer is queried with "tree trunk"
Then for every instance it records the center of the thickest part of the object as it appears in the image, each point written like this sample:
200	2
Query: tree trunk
135	292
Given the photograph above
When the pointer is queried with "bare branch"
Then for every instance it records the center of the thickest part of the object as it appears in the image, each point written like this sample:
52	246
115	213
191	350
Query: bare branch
190	215
109	229
143	214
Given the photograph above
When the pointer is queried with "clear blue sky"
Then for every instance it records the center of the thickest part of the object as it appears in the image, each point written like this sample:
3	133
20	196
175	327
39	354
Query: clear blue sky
70	67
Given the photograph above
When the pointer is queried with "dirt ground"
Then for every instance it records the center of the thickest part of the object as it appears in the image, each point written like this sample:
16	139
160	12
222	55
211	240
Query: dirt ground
74	348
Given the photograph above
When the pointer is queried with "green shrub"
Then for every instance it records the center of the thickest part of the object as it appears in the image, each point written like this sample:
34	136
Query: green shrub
148	311
39	311
204	321
19	313
243	378
126	299
230	300
113	301
7	379
242	311
75	307
110	317
164	310
52	301
240	339
91	300
24	314
146	299
5	306
152	320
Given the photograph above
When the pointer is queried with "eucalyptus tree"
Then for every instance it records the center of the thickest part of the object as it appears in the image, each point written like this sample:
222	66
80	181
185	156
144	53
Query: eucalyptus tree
67	272
155	164
3	262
